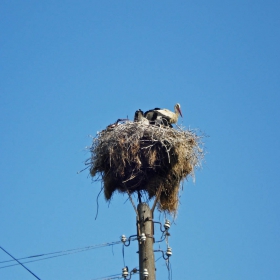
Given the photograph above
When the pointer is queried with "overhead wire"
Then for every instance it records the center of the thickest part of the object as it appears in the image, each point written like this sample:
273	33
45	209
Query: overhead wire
118	276
123	255
40	257
169	268
158	258
115	276
20	263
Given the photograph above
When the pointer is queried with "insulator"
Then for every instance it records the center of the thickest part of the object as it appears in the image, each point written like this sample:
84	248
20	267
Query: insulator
123	238
169	252
143	237
145	272
124	272
167	225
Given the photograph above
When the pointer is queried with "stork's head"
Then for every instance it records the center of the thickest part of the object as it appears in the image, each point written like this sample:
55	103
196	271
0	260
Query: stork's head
178	109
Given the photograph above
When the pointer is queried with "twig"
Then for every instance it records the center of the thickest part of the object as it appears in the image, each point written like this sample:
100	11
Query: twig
97	202
130	198
156	199
131	177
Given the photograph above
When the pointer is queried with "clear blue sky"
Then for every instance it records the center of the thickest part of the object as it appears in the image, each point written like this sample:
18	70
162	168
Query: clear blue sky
70	68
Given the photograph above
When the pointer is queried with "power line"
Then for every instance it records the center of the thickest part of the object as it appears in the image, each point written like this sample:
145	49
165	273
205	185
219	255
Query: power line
20	263
115	276
60	253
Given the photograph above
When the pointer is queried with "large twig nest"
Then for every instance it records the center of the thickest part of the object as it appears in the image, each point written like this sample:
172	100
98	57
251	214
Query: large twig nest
138	157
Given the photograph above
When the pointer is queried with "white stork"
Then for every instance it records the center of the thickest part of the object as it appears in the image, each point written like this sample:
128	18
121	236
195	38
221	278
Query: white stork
169	116
139	117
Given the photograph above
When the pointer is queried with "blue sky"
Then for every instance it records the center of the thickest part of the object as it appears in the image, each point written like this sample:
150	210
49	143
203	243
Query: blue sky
70	68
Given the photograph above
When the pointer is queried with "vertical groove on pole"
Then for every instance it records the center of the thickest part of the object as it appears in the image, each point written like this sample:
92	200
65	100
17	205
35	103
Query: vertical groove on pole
146	251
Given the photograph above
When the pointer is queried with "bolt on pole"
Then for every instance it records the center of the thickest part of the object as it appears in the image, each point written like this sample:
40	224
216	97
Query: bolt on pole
145	232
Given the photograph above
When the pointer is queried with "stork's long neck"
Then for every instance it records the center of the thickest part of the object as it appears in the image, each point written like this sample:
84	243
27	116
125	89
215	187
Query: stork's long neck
177	112
174	117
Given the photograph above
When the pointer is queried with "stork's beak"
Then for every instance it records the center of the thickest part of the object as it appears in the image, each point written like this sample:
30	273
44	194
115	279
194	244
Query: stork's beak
180	111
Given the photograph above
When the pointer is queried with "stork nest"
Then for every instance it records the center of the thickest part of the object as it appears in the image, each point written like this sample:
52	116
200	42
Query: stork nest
134	157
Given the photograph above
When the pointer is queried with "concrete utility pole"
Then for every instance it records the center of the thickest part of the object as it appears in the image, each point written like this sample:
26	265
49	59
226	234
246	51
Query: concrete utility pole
145	231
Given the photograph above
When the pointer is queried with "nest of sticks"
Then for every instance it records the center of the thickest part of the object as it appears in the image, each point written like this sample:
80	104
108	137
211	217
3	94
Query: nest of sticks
134	156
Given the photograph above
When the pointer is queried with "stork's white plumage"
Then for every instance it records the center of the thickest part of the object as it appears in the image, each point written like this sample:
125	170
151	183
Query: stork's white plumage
171	117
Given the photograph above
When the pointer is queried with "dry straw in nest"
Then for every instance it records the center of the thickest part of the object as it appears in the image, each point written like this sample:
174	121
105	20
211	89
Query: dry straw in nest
137	157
